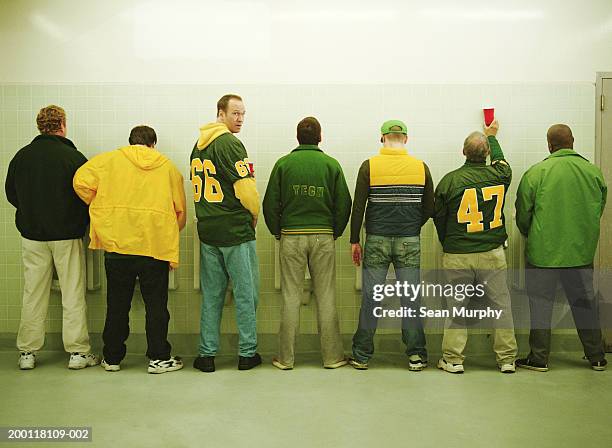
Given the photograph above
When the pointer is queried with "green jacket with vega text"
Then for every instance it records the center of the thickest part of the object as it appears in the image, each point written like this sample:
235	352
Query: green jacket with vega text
307	194
559	203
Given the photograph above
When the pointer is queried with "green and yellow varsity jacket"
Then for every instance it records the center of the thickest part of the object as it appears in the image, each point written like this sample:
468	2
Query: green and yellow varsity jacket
398	191
224	192
559	203
469	204
306	194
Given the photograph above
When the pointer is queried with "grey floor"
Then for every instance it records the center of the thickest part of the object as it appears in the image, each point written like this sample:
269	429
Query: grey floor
570	406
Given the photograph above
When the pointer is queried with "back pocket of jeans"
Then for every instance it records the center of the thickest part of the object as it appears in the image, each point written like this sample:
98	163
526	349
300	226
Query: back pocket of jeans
409	254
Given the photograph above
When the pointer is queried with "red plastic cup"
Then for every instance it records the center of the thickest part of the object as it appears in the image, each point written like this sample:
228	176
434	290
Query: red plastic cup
489	115
252	168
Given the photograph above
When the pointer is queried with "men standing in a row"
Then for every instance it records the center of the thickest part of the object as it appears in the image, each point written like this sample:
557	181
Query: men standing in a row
307	206
227	206
398	190
558	207
137	207
52	221
470	222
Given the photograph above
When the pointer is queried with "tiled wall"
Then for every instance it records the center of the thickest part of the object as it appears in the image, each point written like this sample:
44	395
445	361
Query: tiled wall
439	117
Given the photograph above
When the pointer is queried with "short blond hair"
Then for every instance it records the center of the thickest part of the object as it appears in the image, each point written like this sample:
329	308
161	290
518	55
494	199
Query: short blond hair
50	119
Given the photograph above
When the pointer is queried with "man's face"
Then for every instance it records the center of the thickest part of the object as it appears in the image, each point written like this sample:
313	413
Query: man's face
233	117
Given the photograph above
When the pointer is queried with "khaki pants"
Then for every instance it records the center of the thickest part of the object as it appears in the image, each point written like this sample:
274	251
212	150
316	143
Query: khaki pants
489	270
318	252
38	259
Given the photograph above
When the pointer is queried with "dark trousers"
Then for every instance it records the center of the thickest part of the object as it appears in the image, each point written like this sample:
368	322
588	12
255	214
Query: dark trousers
121	274
577	283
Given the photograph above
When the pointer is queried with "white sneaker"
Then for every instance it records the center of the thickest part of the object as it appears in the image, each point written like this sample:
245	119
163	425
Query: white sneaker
27	360
110	367
448	367
416	363
507	368
167	365
82	360
358	364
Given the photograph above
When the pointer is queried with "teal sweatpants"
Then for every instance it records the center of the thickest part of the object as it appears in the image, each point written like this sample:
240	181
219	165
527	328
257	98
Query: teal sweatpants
218	264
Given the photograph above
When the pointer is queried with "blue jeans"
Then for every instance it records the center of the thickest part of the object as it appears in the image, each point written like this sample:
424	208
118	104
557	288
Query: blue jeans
379	253
218	264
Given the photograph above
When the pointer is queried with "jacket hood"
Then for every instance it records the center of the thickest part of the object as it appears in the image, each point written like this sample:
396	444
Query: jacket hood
209	132
144	157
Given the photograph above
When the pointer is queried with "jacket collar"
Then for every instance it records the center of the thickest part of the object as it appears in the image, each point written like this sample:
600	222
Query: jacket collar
469	163
47	137
308	148
393	151
563	153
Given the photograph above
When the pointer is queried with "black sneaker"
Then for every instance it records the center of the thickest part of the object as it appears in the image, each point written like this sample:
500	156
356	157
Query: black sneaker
205	363
528	363
245	363
599	365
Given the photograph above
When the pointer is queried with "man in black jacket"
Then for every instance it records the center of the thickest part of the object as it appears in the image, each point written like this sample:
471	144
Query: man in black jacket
52	221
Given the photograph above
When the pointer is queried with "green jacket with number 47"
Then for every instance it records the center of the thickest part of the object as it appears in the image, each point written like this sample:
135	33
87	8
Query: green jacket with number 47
469	204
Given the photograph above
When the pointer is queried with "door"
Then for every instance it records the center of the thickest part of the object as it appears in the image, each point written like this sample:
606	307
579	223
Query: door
604	160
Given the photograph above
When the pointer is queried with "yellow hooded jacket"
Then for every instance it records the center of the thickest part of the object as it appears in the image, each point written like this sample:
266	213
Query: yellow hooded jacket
136	202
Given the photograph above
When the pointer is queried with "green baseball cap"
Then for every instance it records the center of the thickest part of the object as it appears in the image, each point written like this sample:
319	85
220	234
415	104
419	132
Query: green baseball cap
387	127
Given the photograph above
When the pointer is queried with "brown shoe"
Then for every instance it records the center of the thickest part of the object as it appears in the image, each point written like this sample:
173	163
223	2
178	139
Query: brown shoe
279	365
335	365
